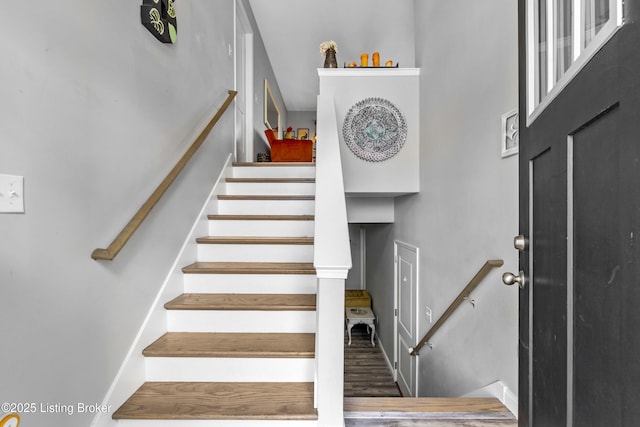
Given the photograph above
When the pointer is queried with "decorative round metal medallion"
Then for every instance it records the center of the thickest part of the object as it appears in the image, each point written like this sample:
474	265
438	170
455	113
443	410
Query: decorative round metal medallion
374	129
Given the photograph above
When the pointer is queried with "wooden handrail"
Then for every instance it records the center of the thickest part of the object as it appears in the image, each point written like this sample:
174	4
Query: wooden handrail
126	233
481	274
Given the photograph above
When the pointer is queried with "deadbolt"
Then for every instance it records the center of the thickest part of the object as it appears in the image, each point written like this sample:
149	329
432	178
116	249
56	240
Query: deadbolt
521	243
510	278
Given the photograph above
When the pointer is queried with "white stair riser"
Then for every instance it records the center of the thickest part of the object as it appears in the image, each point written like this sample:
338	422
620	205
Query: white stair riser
263	228
216	423
250	283
223	369
271	188
274	172
266	207
248	321
255	253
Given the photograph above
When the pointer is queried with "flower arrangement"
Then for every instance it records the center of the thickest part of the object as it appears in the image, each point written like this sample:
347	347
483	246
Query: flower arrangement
324	46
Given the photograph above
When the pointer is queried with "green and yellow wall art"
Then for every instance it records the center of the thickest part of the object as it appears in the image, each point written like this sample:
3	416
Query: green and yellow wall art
159	17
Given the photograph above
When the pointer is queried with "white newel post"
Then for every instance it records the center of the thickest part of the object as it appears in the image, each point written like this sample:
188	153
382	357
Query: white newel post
330	349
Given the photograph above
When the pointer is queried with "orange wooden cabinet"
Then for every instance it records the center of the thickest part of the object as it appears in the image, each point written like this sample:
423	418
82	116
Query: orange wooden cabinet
289	150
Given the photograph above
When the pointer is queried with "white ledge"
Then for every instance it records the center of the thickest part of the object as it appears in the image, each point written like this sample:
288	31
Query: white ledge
340	272
368	72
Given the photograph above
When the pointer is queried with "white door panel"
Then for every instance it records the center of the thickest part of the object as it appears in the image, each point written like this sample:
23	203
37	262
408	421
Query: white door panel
406	324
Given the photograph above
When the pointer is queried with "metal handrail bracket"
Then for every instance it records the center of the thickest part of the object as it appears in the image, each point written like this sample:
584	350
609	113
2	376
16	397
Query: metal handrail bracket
461	298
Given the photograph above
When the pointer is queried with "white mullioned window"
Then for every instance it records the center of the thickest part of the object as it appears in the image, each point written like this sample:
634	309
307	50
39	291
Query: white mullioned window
561	37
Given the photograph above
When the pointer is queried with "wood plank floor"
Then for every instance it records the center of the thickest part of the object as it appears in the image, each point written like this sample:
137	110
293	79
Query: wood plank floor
425	422
489	406
427	412
366	373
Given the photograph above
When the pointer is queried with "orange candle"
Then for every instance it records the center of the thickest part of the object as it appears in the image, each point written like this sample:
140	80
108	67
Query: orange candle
364	60
376	59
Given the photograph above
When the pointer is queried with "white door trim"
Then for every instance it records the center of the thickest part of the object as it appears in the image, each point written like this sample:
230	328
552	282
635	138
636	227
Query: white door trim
242	21
363	258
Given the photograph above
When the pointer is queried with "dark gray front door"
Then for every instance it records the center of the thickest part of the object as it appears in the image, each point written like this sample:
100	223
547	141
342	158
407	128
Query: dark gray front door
580	209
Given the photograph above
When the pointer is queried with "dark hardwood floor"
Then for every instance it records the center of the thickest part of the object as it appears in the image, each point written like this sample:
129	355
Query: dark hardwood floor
366	373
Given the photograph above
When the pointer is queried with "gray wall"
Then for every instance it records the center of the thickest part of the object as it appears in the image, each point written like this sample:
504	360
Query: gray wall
294	29
94	113
302	119
466	211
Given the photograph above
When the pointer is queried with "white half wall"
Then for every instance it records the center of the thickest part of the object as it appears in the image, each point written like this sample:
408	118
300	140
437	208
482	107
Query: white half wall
400	86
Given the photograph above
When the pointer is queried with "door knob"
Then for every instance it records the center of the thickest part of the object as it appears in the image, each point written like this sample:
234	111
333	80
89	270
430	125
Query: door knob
521	243
510	278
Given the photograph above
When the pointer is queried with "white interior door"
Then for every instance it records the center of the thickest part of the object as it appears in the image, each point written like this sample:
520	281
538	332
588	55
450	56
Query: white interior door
406	293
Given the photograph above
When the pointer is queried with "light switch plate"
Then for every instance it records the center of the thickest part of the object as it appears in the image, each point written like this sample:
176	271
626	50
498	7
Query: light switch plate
11	194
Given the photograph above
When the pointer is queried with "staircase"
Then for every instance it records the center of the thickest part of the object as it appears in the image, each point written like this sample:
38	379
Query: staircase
240	346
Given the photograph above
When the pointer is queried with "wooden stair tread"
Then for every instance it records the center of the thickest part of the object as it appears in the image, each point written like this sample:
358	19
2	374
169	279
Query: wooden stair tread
262	197
258	302
424	405
272	164
220	401
214	344
262	217
271	180
371	389
250	268
254	240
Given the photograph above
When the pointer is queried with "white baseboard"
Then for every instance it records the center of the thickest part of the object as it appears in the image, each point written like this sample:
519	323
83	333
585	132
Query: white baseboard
499	390
386	357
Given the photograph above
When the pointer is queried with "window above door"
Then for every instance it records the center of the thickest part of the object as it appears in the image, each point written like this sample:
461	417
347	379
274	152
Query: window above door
562	35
